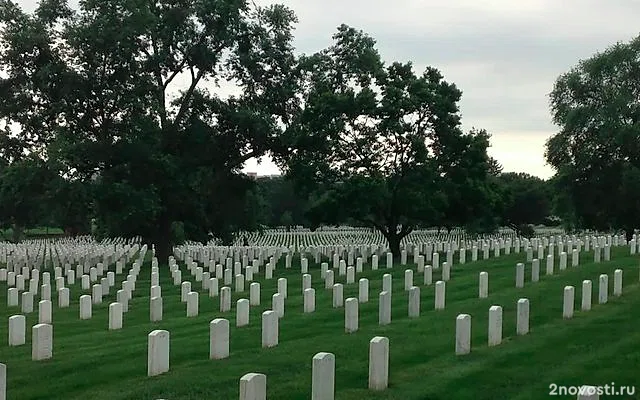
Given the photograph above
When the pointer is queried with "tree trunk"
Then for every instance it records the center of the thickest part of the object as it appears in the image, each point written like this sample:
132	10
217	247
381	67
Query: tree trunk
629	233
394	240
162	240
17	232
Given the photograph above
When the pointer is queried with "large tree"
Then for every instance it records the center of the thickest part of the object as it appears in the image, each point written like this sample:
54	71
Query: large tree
596	153
379	144
124	93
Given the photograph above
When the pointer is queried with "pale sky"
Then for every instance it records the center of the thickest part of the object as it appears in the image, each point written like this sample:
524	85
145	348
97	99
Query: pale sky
503	54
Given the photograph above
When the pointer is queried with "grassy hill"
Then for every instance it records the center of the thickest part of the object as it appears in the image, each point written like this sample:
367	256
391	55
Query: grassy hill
596	347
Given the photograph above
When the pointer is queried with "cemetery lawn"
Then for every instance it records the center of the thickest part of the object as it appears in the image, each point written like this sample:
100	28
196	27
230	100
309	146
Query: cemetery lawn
7	233
595	347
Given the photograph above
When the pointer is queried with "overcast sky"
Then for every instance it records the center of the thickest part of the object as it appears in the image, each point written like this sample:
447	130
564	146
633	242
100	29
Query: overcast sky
503	54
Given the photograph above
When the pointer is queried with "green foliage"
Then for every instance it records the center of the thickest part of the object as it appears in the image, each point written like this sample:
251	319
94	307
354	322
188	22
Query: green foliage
525	200
286	219
27	186
276	195
381	145
97	90
596	153
178	232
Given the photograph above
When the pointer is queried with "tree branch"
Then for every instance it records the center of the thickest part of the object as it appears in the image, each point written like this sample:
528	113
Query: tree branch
187	96
378	226
162	88
406	229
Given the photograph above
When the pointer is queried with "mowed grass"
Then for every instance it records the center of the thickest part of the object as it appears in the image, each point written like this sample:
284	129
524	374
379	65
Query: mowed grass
29	233
595	347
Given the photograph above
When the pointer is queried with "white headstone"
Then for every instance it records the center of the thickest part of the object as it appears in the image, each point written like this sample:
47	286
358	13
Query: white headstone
96	294
588	393
63	298
193	304
254	294
351	315
85	307
420	264
586	295
617	282
309	300
45	312
351	275
495	325
12	297
328	280
213	287
575	258
253	387
282	287
563	261
158	352
269	329
323	376
27	302
225	299
115	316
414	302
242	312
86	283
239	283
42	342
428	275
520	275
219	339
568	302
446	271
277	304
306	282
155	309
463	334
363	290
384	308
550	265
440	295
378	363
603	289
3	382
185	288
535	270
483	285
522	318
17	330
408	279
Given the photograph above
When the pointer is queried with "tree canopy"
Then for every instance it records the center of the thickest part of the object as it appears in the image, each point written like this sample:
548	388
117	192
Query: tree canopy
120	112
596	153
123	94
381	145
524	200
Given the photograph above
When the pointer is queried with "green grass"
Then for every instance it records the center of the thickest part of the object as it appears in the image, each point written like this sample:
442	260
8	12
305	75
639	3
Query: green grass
39	231
596	347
